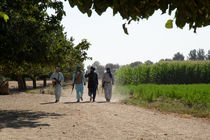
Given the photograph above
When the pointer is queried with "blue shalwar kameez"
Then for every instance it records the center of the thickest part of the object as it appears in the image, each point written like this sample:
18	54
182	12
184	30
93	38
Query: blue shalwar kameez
79	86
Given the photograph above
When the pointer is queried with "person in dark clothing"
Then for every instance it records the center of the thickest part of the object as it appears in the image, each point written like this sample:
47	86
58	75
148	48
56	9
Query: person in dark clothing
92	83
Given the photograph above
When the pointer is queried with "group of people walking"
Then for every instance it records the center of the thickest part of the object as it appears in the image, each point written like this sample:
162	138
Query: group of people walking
79	81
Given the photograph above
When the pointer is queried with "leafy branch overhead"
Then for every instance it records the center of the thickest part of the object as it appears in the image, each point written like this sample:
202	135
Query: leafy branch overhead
194	13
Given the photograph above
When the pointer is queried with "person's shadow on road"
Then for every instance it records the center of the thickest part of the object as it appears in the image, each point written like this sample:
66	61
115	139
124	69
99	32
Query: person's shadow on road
47	103
85	102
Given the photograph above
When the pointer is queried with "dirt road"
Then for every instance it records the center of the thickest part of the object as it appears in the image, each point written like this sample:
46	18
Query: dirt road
37	117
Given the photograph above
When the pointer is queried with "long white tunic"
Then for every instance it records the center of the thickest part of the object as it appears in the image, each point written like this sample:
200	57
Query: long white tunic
108	81
58	87
58	76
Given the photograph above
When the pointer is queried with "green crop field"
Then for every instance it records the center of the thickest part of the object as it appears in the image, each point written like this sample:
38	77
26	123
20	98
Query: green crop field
191	99
169	86
174	72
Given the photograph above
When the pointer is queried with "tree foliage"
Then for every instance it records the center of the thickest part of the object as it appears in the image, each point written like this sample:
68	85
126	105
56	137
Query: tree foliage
148	62
32	42
136	63
193	55
201	54
208	55
113	67
194	13
197	55
28	34
178	56
100	69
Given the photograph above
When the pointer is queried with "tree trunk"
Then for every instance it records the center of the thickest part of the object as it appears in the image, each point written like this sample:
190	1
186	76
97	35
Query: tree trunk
34	82
24	83
45	82
20	83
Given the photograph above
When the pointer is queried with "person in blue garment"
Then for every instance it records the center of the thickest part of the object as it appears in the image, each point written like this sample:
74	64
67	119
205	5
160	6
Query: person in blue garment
78	80
57	79
92	83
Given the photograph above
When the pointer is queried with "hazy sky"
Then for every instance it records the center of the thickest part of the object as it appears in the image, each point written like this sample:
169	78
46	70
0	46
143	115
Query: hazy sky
147	40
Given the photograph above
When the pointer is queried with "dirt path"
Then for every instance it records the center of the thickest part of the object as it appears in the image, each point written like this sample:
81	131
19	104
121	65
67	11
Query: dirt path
35	116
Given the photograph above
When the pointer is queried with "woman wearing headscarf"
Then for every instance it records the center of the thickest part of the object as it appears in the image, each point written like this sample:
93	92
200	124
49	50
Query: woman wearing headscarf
78	80
107	82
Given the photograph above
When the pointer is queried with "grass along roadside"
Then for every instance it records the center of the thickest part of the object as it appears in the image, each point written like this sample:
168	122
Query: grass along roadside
193	99
48	90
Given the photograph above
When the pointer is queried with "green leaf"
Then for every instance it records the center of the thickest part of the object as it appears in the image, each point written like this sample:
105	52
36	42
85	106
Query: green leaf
130	21
5	16
125	29
89	13
169	24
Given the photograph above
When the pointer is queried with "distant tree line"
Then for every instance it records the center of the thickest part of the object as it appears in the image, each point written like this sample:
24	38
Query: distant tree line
193	55
136	63
100	69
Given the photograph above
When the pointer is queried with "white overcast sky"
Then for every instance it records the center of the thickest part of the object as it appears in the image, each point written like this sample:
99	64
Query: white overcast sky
147	40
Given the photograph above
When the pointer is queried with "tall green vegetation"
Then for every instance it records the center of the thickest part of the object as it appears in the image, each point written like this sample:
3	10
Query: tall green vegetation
173	72
191	99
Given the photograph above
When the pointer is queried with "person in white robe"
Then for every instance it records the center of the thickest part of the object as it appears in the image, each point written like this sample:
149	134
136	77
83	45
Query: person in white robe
57	79
107	82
